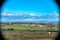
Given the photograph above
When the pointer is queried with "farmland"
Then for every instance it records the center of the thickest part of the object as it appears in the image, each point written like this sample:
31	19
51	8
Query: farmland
29	31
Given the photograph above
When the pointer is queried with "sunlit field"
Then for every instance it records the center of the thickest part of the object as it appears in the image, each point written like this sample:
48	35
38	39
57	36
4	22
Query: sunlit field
29	31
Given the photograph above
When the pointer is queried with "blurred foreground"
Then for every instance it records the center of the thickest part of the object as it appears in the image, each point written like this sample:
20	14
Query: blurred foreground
29	31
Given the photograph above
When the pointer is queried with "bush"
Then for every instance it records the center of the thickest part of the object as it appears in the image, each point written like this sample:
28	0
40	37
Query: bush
10	29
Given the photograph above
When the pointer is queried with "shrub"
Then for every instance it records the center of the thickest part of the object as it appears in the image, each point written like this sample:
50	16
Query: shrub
10	29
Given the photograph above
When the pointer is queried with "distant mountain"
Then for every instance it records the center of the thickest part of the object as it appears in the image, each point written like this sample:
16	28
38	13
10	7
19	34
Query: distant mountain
45	22
29	19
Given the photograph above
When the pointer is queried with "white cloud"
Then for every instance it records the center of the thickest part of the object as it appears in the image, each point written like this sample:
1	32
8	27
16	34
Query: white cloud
32	14
3	14
21	13
10	14
6	14
56	14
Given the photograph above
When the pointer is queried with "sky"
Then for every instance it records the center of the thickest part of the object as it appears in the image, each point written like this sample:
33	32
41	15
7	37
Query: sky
29	10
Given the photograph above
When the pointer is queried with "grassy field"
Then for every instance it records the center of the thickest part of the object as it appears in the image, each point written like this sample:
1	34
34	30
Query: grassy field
21	32
22	27
25	28
28	35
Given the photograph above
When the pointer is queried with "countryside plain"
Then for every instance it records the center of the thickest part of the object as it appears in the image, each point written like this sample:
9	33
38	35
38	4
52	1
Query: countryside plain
29	31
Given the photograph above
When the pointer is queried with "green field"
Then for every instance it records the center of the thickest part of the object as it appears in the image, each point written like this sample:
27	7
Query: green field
21	27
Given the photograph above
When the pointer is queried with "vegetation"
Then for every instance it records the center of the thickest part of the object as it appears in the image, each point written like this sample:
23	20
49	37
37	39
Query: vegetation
29	31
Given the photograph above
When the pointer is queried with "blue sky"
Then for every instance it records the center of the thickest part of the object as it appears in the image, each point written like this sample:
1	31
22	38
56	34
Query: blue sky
29	10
